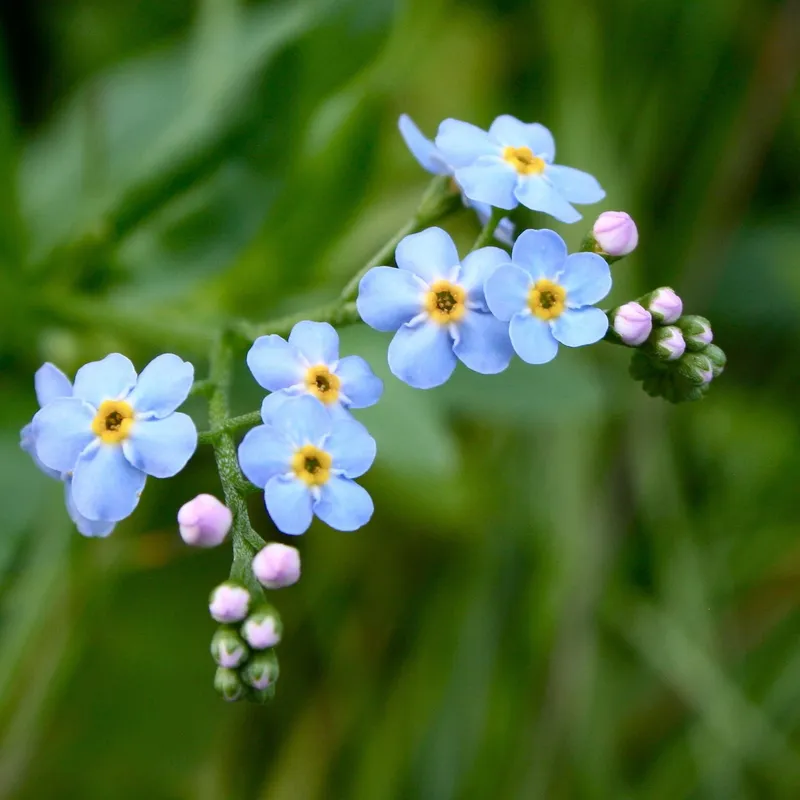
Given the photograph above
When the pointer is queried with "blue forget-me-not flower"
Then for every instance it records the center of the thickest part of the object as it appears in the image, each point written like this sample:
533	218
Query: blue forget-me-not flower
115	430
309	363
513	163
547	296
437	306
305	460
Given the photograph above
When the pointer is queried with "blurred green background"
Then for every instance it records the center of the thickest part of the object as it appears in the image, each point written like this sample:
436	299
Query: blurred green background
568	590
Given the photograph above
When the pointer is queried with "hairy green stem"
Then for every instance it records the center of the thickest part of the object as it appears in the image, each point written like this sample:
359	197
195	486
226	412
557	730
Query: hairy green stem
486	236
230	425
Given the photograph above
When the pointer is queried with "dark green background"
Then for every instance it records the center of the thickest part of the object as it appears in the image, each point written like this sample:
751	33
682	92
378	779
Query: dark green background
568	590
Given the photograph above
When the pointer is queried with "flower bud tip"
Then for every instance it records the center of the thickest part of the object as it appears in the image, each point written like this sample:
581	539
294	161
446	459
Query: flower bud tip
277	565
615	233
632	323
204	521
229	603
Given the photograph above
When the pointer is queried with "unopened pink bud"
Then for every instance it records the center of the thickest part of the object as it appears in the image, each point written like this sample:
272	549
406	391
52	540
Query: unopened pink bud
632	323
668	343
204	521
665	306
616	233
277	565
229	603
262	630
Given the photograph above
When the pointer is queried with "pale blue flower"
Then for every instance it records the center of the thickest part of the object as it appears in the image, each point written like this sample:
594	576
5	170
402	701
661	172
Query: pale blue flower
437	306
512	164
305	460
547	296
309	364
115	430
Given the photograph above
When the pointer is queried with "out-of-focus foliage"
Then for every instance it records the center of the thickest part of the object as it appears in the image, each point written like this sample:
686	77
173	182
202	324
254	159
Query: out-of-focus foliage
569	590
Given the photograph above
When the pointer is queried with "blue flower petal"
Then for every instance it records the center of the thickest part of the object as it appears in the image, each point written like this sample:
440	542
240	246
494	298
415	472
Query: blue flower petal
388	298
536	192
476	269
422	148
360	384
272	402
587	279
51	383
575	185
105	486
532	339
422	355
317	342
264	453
490	180
351	448
109	379
96	529
482	343
507	291
275	363
63	430
541	253
461	144
303	420
161	447
429	254
162	386
344	505
288	502
509	131
580	326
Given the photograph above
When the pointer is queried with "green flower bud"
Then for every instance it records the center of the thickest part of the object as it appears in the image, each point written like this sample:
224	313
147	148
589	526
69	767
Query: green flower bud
696	368
262	696
228	649
229	685
696	331
261	671
717	358
666	343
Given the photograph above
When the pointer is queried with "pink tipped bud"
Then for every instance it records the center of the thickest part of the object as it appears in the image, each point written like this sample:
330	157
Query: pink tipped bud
664	305
668	343
262	630
204	521
632	323
227	649
277	565
229	603
616	234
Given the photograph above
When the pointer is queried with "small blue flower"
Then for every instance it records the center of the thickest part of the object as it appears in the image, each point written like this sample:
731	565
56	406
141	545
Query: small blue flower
305	461
432	160
51	383
115	430
512	164
547	296
437	306
309	364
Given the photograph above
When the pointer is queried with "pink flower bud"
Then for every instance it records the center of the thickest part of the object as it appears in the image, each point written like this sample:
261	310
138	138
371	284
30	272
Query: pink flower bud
668	343
615	232
229	603
632	323
262	630
204	521
277	565
665	305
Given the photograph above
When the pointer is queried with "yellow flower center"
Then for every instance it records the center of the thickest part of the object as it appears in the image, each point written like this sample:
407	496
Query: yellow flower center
523	160
445	302
312	465
323	384
546	299
114	421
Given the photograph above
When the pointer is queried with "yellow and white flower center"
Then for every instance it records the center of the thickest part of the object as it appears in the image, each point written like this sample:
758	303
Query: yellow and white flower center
445	302
523	160
323	384
113	421
546	299
312	465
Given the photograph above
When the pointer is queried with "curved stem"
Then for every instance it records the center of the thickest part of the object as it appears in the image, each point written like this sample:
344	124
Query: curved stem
486	236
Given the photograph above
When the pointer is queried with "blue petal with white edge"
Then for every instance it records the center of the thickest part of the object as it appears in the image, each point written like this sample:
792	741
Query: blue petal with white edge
95	529
507	291
422	148
351	448
51	383
273	401
317	342
303	420
476	269
482	343
490	180
275	363
541	253
536	193
429	254
289	503
344	505
360	384
163	385
389	297
575	185
264	453
109	379
577	327
587	279
63	430
461	143
532	339
422	355
105	486
161	447
511	132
